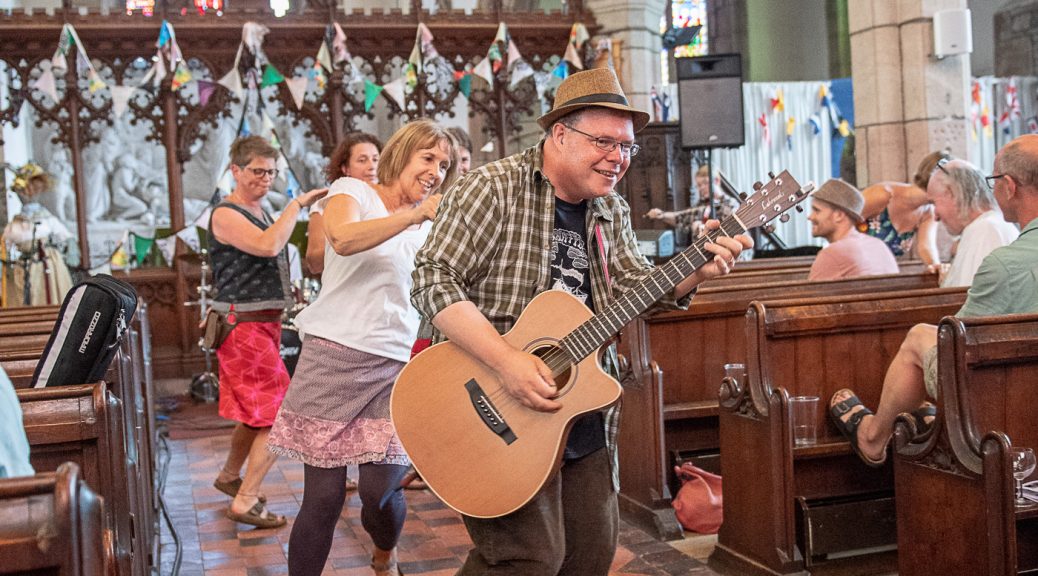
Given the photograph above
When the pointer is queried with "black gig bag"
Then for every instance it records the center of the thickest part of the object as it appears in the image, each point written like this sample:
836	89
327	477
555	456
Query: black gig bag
93	319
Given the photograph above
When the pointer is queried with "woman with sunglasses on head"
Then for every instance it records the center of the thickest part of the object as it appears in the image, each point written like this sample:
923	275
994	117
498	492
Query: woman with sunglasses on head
900	215
358	335
250	271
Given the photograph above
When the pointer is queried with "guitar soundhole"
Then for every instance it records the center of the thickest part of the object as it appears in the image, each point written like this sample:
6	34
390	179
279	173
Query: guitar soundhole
558	361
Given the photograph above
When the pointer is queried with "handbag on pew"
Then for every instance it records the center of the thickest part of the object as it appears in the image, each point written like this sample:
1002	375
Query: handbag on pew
698	503
91	324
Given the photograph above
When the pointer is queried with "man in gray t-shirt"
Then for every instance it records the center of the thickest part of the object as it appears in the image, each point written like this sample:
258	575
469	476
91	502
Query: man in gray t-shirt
1005	283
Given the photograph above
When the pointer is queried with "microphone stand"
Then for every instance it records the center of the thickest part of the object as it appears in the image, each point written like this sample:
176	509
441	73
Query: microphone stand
204	386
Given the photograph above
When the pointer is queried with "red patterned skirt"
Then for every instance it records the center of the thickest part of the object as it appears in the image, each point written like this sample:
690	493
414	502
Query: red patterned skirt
253	378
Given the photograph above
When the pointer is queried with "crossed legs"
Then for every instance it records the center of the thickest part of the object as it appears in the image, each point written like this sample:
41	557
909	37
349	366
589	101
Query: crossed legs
904	390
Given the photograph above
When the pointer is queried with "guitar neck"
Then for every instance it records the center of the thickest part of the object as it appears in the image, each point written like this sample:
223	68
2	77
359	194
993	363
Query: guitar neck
591	335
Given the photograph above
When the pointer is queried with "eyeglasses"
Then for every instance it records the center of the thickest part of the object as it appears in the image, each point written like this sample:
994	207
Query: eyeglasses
940	165
261	172
608	144
991	179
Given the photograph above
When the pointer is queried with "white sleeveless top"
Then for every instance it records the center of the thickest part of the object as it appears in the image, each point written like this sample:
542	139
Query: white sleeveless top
364	301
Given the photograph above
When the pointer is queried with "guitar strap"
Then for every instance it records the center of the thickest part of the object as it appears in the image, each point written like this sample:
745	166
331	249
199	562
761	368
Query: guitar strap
602	253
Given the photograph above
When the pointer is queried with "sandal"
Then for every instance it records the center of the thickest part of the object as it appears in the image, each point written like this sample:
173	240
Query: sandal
258	516
849	427
351	484
923	417
231	488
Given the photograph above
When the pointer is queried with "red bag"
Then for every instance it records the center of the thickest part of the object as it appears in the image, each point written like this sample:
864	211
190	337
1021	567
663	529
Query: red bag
698	502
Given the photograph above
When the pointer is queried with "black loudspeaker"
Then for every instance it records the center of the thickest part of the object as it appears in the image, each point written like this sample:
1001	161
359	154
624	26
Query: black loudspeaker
710	97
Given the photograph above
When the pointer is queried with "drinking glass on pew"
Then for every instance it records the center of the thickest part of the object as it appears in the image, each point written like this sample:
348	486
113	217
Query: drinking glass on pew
1023	465
736	373
805	419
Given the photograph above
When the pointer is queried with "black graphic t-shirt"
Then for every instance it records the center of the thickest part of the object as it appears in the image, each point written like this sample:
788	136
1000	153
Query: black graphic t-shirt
571	272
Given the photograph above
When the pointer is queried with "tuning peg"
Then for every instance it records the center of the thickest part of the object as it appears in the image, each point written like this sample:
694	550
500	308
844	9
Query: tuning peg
769	229
799	208
742	195
784	218
771	175
757	186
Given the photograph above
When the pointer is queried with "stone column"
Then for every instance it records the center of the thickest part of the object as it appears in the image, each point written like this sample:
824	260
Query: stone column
634	27
907	102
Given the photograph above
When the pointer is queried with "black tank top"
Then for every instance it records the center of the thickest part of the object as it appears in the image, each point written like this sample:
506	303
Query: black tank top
249	282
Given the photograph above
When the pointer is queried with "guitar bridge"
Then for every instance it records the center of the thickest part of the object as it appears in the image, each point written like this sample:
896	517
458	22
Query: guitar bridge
488	412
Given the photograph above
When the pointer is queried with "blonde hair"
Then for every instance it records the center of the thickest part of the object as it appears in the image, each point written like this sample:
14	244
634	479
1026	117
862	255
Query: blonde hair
416	135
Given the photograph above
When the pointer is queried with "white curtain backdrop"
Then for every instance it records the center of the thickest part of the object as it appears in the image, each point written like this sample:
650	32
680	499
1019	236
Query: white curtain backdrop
807	155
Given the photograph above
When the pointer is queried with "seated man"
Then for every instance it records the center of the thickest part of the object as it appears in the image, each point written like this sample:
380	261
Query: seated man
835	210
1005	283
963	201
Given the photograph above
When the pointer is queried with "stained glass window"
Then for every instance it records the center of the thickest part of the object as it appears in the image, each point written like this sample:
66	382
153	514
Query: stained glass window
684	14
147	7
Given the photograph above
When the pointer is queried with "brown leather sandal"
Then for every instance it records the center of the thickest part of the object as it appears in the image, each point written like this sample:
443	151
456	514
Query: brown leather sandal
231	488
258	516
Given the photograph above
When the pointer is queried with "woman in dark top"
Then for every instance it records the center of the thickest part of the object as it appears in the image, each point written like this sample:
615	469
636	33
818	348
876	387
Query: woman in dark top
250	267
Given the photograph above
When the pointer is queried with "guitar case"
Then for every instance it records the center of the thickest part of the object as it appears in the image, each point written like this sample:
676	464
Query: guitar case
91	325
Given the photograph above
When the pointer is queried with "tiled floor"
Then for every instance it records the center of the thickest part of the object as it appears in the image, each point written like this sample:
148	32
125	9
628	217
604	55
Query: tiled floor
434	541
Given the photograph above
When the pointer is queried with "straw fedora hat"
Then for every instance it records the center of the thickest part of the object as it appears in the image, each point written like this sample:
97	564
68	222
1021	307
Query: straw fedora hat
595	87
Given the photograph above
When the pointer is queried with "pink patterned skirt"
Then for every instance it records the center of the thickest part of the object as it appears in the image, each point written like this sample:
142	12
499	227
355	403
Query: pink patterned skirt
336	411
253	379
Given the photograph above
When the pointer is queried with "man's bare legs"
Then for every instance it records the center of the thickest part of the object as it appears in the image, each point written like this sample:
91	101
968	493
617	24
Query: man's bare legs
241	443
260	461
903	391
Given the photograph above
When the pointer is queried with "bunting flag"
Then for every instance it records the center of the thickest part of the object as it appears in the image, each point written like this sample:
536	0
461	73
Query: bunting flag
45	83
168	247
181	76
395	91
205	91
778	101
561	71
484	70
371	92
105	268
316	73
521	71
488	147
142	247
494	55
1012	102
120	258
232	79
844	128
271	76
342	54
94	82
323	57
765	133
190	237
1005	123
121	98
464	80
823	96
578	35
297	87
791	125
816	124
573	57
502	34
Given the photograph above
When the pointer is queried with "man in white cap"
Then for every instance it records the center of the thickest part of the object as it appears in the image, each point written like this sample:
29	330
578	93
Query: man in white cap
835	213
548	218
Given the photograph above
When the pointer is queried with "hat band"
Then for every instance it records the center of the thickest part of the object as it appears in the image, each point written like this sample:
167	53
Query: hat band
597	98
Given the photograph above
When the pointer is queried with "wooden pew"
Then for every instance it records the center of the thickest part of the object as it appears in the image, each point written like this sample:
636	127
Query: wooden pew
955	488
83	424
52	523
774	263
686	351
787	506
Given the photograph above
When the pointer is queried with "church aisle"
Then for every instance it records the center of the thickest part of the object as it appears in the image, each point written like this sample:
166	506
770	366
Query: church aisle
434	542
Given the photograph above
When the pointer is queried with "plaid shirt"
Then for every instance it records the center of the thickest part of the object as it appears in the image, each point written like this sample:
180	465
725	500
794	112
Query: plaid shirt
491	245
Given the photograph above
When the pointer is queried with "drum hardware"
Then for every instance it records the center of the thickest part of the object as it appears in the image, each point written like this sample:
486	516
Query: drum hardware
204	386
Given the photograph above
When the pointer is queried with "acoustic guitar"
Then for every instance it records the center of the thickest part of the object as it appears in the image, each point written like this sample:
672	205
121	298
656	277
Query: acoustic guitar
481	451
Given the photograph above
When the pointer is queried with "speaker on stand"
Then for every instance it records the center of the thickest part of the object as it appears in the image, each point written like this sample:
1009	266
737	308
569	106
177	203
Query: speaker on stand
710	101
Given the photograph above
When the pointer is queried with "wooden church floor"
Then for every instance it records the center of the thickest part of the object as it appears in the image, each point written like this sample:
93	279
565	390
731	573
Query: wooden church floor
434	541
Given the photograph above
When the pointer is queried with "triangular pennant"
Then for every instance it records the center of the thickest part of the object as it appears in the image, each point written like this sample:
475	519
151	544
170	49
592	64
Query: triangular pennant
232	81
120	257
324	58
319	77
426	38
488	147
371	92
561	71
465	84
502	33
342	54
121	98
164	35
67	40
572	57
271	76
297	87
58	62
190	237
395	91
168	247
94	81
142	247
45	83
181	76
514	57
578	35
494	55
520	72
205	91
484	71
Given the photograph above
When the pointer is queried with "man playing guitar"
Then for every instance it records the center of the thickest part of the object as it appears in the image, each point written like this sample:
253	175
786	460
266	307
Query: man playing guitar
548	218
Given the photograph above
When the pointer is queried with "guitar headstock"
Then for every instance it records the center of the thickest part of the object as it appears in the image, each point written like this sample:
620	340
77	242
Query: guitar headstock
771	200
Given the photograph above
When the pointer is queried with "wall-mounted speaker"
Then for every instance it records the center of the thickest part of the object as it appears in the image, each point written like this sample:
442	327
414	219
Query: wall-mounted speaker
952	33
710	97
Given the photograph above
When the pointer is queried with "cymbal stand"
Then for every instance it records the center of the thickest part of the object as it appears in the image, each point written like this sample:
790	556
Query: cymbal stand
204	386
